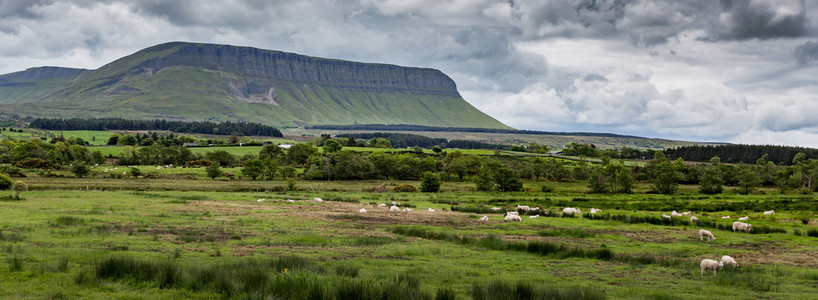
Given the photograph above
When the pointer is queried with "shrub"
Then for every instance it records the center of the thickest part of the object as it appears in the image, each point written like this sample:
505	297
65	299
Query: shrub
80	169
198	163
11	171
36	163
430	182
135	172
5	182
213	171
405	188
19	187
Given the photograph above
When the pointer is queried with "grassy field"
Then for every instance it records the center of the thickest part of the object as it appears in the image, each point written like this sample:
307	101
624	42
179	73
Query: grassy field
183	236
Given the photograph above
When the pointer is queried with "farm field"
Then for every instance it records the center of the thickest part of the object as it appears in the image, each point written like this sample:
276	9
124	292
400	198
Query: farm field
196	238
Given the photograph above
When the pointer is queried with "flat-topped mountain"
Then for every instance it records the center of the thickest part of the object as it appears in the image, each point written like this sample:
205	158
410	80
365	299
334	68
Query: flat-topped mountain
190	81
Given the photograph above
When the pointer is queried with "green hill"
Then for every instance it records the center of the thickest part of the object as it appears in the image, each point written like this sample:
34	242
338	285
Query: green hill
187	81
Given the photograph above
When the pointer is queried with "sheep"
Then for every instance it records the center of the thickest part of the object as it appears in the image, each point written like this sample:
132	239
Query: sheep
431	209
709	264
483	219
536	208
687	213
513	213
382	205
496	208
675	214
534	216
769	212
394	208
745	218
406	209
316	199
595	210
260	200
512	217
725	217
363	210
706	233
665	216
693	219
290	200
523	207
570	210
742	227
727	260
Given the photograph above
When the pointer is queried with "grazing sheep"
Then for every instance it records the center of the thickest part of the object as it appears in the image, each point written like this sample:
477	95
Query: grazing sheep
406	209
431	209
745	218
709	264
727	260
693	219
769	212
687	213
665	216
260	200
496	208
513	213
742	227
725	217
512	217
290	200
706	233
394	208
316	199
523	207
483	219
534	216
595	210
570	210
382	205
675	214
363	210
536	208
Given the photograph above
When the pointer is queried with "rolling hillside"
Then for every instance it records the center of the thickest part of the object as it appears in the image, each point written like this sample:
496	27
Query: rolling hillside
187	81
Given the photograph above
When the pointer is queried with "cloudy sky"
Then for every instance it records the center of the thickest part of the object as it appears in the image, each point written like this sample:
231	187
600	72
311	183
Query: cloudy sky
742	71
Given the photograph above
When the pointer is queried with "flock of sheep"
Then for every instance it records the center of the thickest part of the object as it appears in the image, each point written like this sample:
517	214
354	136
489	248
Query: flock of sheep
514	216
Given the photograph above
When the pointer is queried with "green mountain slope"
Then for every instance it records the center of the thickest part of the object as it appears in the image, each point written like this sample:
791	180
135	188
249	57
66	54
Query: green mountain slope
218	82
35	83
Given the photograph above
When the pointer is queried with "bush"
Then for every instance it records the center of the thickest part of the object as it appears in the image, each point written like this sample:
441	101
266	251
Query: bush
135	172
11	171
430	182
36	163
198	163
5	182
213	171
405	188
80	169
19	187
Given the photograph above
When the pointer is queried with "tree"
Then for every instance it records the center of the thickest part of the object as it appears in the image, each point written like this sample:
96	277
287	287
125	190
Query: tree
299	153
288	172
665	178
711	182
135	172
271	152
80	169
252	168
332	146
748	180
221	157
484	180
213	171
507	180
437	149
19	187
799	157
430	182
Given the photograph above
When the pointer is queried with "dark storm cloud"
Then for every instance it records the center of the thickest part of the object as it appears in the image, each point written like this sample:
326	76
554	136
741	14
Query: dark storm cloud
746	19
807	52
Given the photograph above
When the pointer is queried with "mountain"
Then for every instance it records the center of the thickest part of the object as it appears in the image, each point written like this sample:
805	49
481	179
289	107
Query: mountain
189	81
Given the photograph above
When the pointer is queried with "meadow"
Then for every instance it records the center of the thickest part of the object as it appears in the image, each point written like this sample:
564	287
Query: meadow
181	235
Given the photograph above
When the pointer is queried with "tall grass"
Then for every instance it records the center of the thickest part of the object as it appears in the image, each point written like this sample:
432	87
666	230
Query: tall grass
11	237
68	221
566	232
657	220
502	290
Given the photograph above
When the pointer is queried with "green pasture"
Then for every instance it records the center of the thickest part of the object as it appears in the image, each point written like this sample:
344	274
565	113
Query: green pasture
181	235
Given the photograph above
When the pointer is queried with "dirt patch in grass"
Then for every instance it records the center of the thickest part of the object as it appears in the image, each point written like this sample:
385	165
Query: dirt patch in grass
650	236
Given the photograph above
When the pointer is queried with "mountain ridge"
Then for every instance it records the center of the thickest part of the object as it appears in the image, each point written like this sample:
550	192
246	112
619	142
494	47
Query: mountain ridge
195	81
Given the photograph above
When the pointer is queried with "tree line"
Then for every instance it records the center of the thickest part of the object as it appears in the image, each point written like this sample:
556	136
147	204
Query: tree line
203	127
407	127
741	153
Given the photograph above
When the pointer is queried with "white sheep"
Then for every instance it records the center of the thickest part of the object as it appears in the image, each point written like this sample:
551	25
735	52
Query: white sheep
394	208
727	260
406	209
290	200
496	208
570	210
260	200
665	216
316	199
595	210
706	233
769	212
745	218
513	213
740	226
431	209
523	207
709	264
382	205
534	216
536	208
483	219
675	214
687	213
693	219
725	217
363	210
512	217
